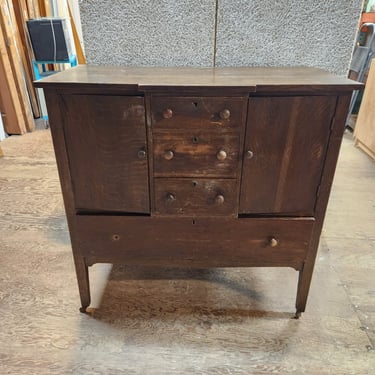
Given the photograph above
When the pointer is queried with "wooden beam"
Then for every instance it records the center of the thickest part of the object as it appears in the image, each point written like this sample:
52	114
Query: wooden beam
80	55
45	8
364	131
42	8
21	16
8	22
33	8
10	105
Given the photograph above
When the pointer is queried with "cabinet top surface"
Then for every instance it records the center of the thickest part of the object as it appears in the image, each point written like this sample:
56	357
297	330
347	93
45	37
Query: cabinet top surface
247	78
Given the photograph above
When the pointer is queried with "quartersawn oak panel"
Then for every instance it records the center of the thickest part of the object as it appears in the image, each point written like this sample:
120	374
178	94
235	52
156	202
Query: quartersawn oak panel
197	112
199	242
288	137
104	135
195	197
195	154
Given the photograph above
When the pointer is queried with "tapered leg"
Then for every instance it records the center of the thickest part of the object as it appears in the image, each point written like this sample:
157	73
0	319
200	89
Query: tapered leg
304	280
83	282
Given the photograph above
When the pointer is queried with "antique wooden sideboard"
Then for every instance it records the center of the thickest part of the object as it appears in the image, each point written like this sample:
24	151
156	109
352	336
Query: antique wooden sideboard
196	167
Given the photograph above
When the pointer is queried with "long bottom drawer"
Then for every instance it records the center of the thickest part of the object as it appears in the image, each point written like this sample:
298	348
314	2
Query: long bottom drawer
201	242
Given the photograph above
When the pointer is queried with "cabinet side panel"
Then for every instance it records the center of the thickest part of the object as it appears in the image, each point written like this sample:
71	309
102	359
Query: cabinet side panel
56	116
55	119
288	137
106	144
322	201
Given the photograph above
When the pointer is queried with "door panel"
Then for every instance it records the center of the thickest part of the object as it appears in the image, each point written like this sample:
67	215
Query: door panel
106	144
288	138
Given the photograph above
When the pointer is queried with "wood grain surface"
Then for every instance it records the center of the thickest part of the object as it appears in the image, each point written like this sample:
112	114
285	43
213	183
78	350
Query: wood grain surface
105	136
195	242
364	131
288	137
169	321
195	153
198	112
249	79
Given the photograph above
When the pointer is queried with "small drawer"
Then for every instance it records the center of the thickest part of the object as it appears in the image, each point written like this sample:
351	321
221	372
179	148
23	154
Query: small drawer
197	112
195	197
196	153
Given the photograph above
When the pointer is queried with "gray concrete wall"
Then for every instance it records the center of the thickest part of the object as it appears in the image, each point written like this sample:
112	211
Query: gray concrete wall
154	32
319	33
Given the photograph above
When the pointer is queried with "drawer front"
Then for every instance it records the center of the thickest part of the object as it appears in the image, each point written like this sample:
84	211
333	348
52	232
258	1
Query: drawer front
201	242
195	197
196	153
197	112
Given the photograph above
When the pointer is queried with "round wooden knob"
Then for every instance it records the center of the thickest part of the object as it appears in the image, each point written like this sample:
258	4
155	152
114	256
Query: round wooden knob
170	197
221	155
219	199
273	242
141	154
168	155
224	114
249	154
167	113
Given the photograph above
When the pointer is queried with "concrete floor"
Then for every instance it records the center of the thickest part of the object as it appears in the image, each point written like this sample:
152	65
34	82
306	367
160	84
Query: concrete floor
152	321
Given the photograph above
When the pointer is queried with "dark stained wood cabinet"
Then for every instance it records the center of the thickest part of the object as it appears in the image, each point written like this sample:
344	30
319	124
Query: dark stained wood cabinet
287	139
106	146
196	167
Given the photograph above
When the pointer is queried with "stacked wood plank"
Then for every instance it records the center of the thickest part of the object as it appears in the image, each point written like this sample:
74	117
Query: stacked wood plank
365	127
14	99
22	14
19	103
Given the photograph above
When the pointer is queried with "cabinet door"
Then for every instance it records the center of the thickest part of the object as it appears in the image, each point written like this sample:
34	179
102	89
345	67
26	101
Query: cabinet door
106	143
285	147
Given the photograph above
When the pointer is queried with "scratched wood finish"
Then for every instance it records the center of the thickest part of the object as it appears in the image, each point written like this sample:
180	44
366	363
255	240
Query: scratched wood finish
106	137
203	113
298	110
195	197
196	153
288	137
245	79
167	321
195	242
337	131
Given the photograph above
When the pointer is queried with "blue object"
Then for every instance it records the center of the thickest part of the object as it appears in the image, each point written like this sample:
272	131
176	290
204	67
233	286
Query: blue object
44	73
40	74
